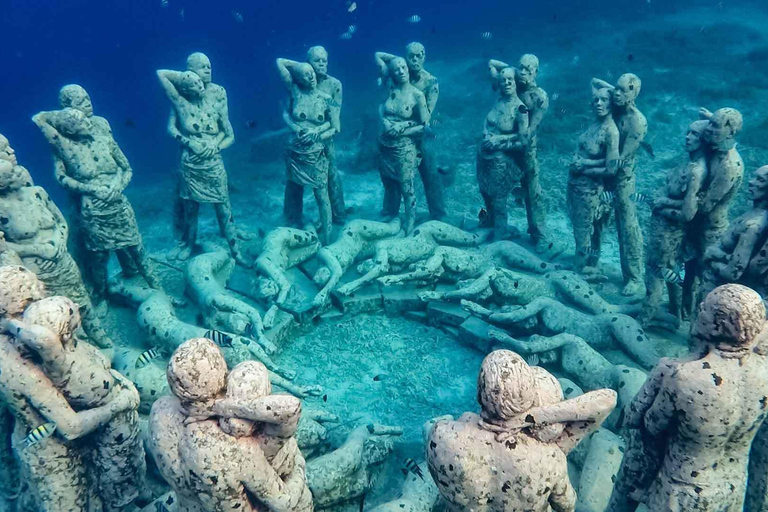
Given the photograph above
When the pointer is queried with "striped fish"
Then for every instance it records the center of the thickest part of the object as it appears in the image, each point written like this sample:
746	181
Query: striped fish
41	433
146	357
640	198
607	196
532	360
670	276
411	466
219	338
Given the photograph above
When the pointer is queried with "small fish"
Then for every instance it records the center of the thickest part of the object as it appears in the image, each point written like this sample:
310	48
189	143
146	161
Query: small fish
163	3
181	13
640	198
411	466
630	57
607	196
352	29
237	16
250	124
352	7
575	60
555	96
414	19
346	36
130	123
146	357
325	398
532	360
487	36
219	338
40	433
648	149
435	122
670	276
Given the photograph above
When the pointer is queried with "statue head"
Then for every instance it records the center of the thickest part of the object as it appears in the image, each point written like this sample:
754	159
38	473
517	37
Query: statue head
730	318
758	185
317	56
191	85
75	96
627	90
72	122
13	177
248	380
6	151
20	288
528	69
723	127
602	100
398	70
694	137
200	64
266	288
506	82
304	75
415	55
197	371
506	385
59	315
322	276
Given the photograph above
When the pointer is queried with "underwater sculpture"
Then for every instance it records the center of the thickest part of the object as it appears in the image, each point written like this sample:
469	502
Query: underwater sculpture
317	56
536	101
53	468
544	315
281	249
83	376
424	241
513	455
510	287
157	317
595	160
356	241
696	418
501	154
453	264
106	218
199	122
670	222
313	119
740	254
34	229
404	116
206	276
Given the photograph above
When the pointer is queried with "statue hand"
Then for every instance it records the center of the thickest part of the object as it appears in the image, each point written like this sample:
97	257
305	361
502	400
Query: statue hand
102	193
269	317
313	390
346	289
490	144
389	280
705	114
127	399
428	296
320	299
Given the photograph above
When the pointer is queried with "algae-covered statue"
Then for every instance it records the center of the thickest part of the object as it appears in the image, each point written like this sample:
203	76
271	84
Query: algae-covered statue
35	230
199	122
670	222
697	418
355	242
513	455
317	56
106	218
313	119
505	137
594	162
740	255
536	101
404	116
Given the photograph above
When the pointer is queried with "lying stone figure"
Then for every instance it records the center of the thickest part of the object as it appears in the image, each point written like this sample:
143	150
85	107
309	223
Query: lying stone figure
82	374
282	248
423	243
452	264
602	331
37	232
355	242
697	418
157	317
513	455
206	277
509	287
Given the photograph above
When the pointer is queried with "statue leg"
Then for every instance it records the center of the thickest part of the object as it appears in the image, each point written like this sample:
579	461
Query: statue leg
392	194
100	273
126	263
228	229
500	216
487	222
433	183
335	186
324	207
664	248
9	473
293	204
534	205
630	235
583	203
757	485
629	335
408	192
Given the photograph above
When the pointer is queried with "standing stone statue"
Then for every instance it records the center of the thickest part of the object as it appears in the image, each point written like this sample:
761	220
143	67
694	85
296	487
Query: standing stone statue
317	56
404	116
536	101
313	119
697	418
594	161
199	122
106	218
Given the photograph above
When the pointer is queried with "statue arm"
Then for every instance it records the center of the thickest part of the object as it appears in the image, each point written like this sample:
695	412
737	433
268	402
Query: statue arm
538	114
382	61
381	265
690	203
261	480
644	399
495	67
472	290
523	127
69	183
432	94
167	78
294	127
536	344
581	415
272	409
225	124
39	339
61	221
122	162
563	497
173	129
612	157
521	314
432	269
634	138
284	68
733	268
597	83
422	111
719	192
330	261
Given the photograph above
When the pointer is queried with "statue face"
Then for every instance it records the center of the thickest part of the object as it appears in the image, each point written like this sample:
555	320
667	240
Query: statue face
527	74
625	92
318	59
82	102
416	57
192	85
74	123
758	185
12	177
693	139
601	102
507	83
6	151
399	70
719	132
306	77
201	66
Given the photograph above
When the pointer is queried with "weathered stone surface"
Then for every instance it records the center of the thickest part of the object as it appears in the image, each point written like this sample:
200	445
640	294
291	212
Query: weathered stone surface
446	314
474	332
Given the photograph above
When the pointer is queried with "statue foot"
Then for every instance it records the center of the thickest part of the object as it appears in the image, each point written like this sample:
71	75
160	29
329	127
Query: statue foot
269	347
241	261
632	288
475	308
181	252
100	308
429	296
